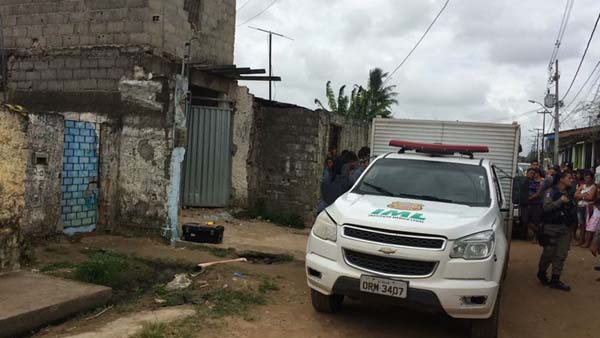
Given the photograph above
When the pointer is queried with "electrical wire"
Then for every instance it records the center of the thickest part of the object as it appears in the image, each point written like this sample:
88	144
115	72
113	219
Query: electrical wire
574	110
259	13
561	32
418	42
243	5
582	57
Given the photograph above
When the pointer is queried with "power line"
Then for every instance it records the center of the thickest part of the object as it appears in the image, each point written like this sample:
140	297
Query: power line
583	56
418	42
561	32
259	13
243	5
580	90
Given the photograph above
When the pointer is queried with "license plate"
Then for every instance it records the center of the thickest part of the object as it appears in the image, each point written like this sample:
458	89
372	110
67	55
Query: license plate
384	286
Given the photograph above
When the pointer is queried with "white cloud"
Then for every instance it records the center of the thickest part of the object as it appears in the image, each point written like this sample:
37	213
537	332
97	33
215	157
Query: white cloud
482	61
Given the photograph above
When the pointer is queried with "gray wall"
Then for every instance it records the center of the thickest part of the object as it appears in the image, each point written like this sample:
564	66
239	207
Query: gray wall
287	155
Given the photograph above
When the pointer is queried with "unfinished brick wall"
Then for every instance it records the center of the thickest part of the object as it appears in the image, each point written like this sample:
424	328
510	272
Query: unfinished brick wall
162	26
286	178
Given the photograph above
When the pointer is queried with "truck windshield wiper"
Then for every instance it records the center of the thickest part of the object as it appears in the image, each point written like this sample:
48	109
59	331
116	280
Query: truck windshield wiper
379	189
426	197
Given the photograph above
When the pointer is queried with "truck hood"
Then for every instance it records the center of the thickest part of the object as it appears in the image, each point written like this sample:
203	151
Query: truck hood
450	220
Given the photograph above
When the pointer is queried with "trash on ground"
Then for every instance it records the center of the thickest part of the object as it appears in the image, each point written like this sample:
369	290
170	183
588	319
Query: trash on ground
205	265
239	275
181	281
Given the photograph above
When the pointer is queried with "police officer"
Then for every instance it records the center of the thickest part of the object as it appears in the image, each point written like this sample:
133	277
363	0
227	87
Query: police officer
555	236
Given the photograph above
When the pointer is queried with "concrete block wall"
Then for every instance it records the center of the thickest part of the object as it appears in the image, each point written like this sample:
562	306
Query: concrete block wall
285	178
163	26
243	119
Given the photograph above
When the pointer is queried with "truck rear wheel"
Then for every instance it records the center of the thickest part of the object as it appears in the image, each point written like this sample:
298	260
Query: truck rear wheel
326	303
487	328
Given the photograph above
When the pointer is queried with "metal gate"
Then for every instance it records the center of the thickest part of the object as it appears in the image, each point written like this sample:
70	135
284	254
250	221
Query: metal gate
207	166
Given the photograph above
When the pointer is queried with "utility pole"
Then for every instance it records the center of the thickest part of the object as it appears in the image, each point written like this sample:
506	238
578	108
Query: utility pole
537	143
544	129
271	33
556	114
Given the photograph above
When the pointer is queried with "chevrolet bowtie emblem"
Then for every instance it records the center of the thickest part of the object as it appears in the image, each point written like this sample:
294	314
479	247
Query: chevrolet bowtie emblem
387	251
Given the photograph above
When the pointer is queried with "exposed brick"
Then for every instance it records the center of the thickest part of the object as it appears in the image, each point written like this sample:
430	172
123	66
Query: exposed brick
139	38
50	30
98	28
20	32
77	17
134	27
57	63
26	65
107	84
70	40
136	3
41	65
72	62
87	40
114	73
66	29
88	84
98	73
34	31
89	63
115	27
106	63
10	20
33	75
55	18
81	28
71	85
25	85
40	85
55	85
121	38
81	73
64	74
49	74
104	39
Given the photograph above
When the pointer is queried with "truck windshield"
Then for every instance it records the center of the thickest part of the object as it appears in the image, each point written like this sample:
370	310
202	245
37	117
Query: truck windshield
427	180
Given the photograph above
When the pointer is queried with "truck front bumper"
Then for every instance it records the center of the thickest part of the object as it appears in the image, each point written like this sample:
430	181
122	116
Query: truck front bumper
451	296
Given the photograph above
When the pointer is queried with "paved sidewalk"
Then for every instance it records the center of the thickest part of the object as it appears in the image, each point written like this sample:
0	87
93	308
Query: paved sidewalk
29	301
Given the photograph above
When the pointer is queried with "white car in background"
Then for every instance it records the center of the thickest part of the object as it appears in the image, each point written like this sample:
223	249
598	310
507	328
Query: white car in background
424	230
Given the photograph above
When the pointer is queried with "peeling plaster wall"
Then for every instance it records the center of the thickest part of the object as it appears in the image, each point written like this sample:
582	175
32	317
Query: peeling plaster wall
243	119
13	146
42	195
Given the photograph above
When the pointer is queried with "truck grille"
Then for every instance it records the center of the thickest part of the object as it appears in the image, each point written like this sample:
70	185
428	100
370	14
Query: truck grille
394	238
388	265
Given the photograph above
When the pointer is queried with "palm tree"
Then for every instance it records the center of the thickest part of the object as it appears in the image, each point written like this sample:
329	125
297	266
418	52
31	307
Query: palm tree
380	97
363	104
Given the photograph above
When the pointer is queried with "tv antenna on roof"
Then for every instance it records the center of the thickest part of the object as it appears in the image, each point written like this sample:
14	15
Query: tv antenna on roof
271	33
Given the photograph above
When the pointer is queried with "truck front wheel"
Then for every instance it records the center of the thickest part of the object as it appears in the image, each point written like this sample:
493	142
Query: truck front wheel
324	303
487	328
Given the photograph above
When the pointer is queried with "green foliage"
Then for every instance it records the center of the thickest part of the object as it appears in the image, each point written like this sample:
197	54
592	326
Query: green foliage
227	302
153	330
363	104
57	266
267	285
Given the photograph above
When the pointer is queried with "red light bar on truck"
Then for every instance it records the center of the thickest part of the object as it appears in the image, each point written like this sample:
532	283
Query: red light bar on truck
445	149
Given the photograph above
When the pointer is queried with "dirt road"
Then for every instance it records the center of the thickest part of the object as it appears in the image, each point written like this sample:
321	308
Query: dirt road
527	308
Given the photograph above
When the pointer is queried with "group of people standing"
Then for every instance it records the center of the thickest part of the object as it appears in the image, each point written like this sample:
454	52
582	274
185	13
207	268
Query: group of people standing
558	206
340	173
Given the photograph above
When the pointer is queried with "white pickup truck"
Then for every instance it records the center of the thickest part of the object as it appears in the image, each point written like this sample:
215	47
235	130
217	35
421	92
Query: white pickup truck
424	229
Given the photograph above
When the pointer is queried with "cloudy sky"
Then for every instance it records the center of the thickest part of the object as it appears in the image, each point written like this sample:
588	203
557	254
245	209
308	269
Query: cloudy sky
482	60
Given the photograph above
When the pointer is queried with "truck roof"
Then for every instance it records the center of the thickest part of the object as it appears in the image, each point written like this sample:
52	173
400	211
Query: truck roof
436	158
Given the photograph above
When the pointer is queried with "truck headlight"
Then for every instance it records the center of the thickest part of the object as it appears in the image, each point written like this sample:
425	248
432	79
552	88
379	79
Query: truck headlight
325	227
476	246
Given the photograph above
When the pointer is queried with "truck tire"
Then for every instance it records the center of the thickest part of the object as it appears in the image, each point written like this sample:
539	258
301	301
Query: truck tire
326	303
487	328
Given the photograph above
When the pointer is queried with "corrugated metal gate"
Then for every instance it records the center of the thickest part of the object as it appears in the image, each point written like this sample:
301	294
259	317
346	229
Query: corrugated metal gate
207	165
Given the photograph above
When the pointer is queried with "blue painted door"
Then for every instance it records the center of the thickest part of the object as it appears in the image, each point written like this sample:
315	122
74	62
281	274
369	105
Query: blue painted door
80	178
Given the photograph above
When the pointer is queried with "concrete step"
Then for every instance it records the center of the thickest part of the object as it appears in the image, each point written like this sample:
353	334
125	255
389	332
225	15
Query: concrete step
29	301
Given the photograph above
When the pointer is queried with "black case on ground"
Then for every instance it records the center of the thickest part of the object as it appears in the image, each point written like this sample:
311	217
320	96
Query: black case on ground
194	232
